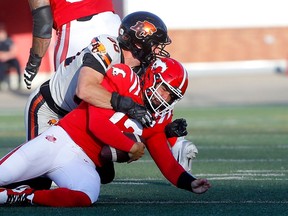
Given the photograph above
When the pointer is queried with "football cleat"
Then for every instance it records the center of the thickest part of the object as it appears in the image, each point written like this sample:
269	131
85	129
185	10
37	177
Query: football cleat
16	195
184	152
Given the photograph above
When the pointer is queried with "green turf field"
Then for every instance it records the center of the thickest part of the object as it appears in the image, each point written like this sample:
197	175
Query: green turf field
243	151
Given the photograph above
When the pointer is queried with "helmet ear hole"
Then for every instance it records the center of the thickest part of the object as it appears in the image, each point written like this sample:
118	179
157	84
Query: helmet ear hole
157	78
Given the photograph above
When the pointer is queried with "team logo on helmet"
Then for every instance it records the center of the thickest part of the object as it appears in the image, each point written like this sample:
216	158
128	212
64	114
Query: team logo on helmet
143	29
159	66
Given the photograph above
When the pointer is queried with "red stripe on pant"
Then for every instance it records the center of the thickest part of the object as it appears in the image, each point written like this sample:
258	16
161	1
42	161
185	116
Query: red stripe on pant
64	51
38	100
9	154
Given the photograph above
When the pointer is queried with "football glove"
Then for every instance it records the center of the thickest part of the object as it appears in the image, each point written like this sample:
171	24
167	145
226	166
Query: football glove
132	109
177	128
184	152
31	68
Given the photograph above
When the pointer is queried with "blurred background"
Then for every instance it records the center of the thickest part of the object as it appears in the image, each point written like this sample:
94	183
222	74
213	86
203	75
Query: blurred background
235	51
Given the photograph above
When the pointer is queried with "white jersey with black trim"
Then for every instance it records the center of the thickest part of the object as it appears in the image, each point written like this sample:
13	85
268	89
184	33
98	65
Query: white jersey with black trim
104	48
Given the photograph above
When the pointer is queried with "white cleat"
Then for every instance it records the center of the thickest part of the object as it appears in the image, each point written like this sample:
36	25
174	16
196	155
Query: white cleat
184	151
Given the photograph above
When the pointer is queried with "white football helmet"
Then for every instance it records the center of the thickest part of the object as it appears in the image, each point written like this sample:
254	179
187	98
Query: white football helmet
184	152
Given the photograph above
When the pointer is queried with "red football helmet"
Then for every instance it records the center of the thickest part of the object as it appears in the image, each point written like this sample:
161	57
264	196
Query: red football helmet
167	74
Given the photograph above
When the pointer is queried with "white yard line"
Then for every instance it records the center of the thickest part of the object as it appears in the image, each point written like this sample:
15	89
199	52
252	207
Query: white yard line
225	160
244	175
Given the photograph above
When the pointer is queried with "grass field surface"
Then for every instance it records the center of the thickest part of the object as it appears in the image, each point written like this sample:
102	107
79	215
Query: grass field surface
242	151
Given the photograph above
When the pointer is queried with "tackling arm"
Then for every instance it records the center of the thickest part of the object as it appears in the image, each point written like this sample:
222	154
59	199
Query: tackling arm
89	88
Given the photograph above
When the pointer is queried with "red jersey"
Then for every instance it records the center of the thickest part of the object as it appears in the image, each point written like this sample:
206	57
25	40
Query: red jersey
81	123
64	11
91	127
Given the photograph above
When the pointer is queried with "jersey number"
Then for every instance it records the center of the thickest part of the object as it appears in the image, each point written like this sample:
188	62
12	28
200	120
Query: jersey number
115	45
126	124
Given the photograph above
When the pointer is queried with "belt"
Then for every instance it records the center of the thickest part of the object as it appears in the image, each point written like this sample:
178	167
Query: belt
86	18
45	91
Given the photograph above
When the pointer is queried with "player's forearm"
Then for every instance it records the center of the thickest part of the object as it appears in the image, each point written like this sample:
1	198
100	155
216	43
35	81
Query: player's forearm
89	88
166	163
40	46
95	95
42	26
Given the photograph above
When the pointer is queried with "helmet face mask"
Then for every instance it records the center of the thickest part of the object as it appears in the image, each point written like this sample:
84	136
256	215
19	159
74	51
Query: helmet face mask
165	83
158	103
159	50
145	35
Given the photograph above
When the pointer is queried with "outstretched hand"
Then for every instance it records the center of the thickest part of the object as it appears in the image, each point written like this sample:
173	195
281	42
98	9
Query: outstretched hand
200	186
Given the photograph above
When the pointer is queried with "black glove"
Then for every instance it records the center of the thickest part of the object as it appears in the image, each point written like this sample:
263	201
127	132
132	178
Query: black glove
139	70
32	68
141	114
177	128
132	109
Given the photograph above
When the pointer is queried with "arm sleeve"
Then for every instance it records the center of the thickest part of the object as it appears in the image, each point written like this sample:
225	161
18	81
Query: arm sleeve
42	22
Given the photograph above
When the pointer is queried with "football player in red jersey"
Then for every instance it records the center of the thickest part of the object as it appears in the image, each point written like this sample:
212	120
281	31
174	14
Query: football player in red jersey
75	22
76	142
80	77
142	37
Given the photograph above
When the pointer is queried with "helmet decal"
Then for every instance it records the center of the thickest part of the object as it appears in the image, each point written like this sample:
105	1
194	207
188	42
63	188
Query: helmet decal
159	65
145	35
143	29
